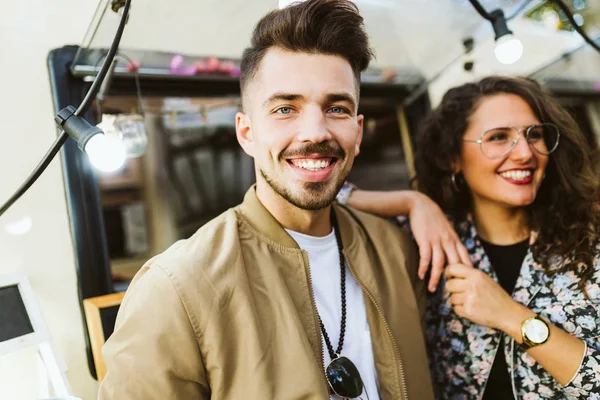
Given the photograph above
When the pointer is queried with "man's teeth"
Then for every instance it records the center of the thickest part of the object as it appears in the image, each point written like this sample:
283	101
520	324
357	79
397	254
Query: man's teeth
516	175
312	165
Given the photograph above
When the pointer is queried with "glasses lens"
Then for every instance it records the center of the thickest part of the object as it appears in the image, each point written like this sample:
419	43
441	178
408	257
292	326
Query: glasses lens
497	142
543	138
344	378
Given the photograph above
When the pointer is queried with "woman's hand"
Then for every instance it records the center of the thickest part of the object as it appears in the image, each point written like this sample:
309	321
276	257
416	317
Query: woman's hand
478	298
439	245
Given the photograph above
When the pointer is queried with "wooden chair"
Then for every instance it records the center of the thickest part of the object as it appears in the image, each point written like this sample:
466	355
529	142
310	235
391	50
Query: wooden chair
101	314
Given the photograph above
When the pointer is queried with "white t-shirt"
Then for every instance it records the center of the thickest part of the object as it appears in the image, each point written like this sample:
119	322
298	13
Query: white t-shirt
323	256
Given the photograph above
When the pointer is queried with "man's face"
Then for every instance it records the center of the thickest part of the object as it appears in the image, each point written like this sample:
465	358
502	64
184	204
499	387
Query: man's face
301	125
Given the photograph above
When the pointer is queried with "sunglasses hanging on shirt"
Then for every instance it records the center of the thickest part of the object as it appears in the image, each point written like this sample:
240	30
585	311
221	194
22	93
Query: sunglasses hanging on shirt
342	375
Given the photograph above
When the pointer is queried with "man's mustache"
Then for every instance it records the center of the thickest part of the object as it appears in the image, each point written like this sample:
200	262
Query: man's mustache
323	149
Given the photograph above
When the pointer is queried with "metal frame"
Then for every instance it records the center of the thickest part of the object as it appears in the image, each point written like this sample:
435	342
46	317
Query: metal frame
81	187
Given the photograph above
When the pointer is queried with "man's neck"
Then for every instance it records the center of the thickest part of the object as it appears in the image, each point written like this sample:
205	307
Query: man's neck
313	223
498	225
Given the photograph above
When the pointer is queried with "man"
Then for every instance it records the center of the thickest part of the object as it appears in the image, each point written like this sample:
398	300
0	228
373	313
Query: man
284	296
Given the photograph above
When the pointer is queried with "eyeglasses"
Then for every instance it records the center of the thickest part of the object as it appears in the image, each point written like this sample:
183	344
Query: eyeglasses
344	379
498	142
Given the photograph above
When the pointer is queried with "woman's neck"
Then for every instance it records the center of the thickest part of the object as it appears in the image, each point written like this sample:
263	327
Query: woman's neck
500	225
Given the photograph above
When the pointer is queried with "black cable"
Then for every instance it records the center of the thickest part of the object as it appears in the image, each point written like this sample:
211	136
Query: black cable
560	3
91	94
83	107
62	138
481	10
566	10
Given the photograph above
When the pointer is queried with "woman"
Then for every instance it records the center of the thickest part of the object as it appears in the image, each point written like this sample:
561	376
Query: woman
520	184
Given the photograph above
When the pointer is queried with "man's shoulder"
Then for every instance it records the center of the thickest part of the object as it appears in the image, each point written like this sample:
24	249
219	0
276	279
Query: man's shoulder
214	236
184	276
194	262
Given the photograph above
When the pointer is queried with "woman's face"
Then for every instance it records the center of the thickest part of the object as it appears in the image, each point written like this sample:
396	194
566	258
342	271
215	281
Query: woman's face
511	180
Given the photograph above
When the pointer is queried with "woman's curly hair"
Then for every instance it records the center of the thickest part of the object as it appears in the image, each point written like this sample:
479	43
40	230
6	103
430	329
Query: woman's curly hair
566	211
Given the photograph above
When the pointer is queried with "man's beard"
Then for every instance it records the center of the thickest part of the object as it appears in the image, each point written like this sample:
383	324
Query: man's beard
316	196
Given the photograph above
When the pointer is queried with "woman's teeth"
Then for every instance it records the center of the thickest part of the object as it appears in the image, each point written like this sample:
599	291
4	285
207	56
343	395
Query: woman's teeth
516	175
312	165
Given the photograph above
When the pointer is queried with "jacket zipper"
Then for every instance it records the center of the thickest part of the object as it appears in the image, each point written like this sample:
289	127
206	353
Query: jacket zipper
314	305
387	327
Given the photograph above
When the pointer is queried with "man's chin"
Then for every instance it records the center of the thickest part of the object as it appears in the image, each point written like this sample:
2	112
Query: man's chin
312	196
309	196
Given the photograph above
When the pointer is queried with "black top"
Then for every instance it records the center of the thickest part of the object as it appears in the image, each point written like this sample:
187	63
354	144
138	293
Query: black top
506	262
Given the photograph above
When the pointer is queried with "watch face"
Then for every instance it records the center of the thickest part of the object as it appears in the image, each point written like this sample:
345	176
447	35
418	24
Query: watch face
536	331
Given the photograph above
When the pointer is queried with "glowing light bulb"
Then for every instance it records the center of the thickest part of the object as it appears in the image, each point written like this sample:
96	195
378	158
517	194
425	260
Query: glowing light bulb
106	152
509	49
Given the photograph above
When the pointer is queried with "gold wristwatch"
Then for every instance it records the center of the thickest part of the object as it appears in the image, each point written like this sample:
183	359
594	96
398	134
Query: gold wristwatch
534	331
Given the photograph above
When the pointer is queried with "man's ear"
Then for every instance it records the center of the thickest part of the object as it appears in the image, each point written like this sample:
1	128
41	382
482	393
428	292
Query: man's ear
360	119
243	132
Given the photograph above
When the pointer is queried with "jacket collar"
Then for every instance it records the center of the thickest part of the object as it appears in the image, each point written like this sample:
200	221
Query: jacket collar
262	221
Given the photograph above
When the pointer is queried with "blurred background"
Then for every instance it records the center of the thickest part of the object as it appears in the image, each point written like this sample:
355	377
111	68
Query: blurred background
81	232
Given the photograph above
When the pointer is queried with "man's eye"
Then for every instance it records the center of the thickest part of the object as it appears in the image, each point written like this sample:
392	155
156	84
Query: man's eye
284	110
337	110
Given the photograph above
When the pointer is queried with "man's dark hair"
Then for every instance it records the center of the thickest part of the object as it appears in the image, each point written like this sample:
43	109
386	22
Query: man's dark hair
332	27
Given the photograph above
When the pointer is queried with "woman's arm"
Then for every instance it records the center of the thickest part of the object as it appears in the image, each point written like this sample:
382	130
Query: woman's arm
387	204
561	355
438	243
475	296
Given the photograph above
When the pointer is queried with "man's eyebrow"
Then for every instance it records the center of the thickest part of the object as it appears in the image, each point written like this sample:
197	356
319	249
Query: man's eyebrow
334	97
283	96
329	98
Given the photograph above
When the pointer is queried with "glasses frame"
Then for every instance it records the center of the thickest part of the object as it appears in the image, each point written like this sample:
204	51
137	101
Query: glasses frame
523	131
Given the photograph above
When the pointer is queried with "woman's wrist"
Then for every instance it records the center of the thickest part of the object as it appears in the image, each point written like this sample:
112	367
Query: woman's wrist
345	192
511	323
411	198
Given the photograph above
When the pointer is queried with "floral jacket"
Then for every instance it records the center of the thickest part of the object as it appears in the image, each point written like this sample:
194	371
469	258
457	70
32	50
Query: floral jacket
462	353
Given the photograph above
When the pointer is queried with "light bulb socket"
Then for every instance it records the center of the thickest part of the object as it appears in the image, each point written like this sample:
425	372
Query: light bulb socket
77	127
499	24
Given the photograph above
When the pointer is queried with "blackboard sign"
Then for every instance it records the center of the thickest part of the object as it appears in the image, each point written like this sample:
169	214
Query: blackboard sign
14	321
22	326
21	322
108	316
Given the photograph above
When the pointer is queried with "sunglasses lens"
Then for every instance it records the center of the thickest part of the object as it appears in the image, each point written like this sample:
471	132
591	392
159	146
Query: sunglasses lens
344	378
